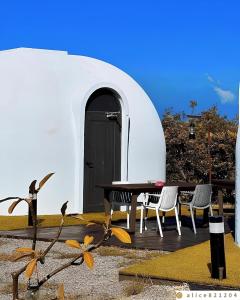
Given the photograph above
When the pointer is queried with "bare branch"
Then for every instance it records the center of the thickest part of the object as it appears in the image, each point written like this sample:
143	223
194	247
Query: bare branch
32	187
72	262
9	198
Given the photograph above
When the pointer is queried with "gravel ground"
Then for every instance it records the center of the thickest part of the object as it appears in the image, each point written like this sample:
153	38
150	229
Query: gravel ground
101	283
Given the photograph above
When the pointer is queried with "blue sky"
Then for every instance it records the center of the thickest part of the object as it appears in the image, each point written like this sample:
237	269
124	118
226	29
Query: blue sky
177	50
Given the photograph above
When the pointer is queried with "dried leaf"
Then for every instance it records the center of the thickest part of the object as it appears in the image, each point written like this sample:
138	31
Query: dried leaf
73	244
32	188
13	205
91	224
88	258
60	292
63	208
43	181
79	217
26	250
87	240
95	222
30	268
122	235
22	256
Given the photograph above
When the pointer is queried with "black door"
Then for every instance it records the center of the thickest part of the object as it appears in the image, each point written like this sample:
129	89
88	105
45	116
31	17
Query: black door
102	147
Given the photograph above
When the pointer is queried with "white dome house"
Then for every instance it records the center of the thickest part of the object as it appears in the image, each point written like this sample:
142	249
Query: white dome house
79	117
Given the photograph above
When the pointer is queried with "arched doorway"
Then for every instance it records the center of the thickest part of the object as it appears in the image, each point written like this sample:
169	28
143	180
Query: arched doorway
102	146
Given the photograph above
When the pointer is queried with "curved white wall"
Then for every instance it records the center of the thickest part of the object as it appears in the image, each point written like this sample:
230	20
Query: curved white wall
42	102
237	190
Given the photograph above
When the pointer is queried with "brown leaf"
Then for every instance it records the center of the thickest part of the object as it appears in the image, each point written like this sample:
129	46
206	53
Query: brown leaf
60	292
32	188
30	268
73	244
63	208
87	240
91	224
88	258
122	235
79	217
26	250
95	222
13	205
23	256
43	181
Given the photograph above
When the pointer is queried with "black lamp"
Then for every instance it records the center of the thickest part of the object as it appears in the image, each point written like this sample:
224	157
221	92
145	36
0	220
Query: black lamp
192	135
192	131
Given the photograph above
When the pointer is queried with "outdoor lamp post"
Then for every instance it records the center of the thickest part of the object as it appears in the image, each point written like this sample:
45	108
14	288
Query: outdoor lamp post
209	157
192	136
192	131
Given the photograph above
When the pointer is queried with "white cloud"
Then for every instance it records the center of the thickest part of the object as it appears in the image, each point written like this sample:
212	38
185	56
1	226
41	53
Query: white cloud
210	78
225	96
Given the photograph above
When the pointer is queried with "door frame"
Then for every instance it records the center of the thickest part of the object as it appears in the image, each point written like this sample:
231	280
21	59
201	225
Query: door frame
78	112
102	143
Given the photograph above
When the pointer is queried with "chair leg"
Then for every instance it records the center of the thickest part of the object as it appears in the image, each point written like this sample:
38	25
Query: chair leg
193	222
141	219
179	214
211	210
111	211
163	217
159	223
177	220
145	217
128	217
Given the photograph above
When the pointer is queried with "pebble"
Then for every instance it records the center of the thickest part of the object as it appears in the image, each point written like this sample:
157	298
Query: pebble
100	283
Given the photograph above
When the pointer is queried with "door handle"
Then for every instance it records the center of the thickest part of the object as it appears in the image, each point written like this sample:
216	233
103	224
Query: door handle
89	164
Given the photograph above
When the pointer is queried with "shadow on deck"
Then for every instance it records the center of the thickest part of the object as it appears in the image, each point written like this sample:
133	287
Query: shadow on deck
150	239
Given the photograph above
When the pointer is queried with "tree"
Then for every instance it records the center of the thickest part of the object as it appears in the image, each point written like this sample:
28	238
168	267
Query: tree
188	160
193	104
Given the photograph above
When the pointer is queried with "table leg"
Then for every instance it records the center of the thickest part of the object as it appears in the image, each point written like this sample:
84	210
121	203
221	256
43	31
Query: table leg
220	202
107	203
132	221
205	220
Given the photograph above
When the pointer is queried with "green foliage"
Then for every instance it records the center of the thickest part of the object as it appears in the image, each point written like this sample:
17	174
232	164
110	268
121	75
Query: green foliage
189	160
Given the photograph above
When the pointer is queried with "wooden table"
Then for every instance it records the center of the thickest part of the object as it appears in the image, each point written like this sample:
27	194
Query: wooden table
136	189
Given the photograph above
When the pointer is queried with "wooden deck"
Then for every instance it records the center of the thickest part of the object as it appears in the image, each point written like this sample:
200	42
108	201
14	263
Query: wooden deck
150	239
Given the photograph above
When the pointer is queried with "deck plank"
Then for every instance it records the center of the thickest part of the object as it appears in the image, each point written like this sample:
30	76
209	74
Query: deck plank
150	239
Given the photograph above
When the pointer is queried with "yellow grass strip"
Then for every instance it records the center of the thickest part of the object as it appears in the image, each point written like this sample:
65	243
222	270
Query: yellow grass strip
20	222
191	265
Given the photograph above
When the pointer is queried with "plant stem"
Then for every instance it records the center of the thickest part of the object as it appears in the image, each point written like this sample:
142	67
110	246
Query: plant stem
34	218
15	276
72	261
54	241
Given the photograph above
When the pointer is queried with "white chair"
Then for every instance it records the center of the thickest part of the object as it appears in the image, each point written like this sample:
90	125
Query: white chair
124	199
201	199
166	201
121	199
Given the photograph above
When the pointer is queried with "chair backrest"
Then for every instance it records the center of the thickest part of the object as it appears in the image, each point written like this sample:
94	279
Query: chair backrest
202	196
121	197
168	197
